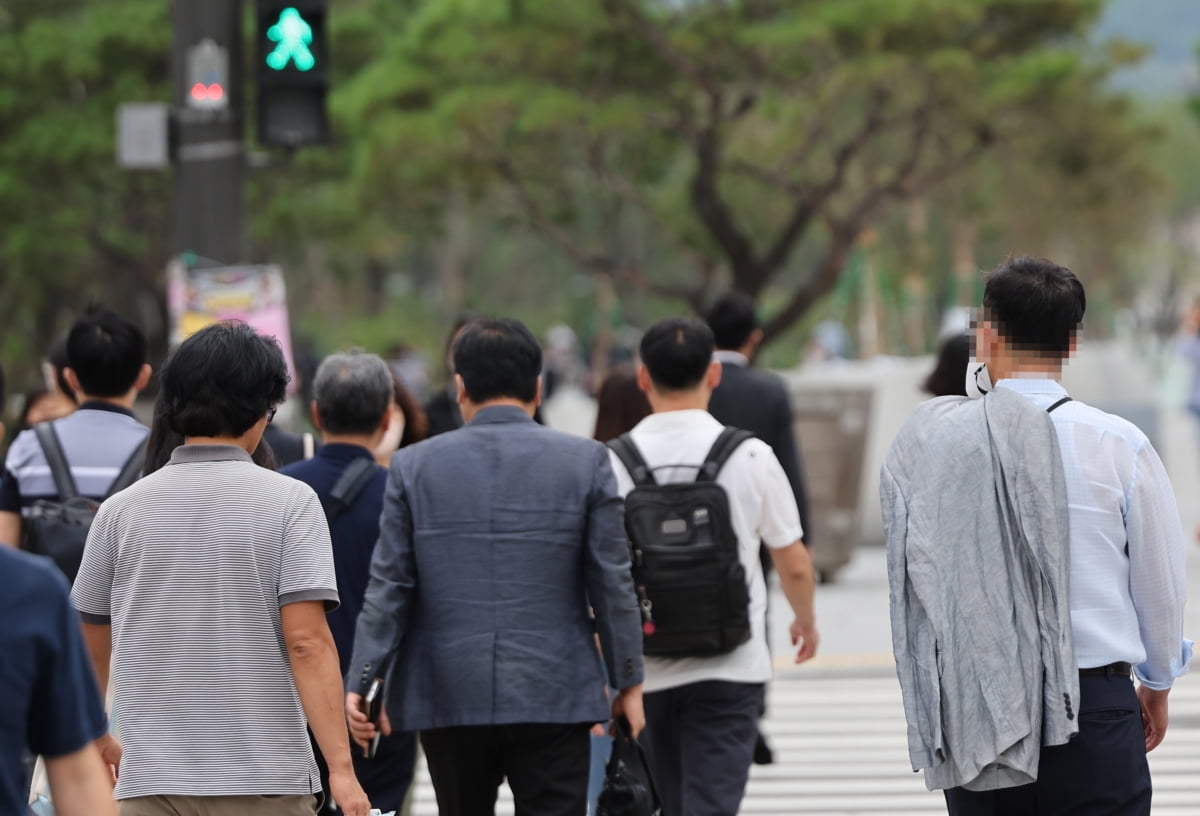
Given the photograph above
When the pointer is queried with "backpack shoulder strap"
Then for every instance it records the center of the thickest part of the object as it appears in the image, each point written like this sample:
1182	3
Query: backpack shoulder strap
346	489
729	441
1058	404
632	459
64	482
131	471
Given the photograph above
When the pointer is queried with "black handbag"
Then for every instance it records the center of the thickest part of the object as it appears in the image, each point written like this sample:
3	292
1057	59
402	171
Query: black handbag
628	788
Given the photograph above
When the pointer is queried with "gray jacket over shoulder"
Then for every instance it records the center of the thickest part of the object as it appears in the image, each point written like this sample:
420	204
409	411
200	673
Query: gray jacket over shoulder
975	517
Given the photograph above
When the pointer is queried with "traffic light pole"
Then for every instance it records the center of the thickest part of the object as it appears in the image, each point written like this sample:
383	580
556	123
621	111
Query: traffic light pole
210	150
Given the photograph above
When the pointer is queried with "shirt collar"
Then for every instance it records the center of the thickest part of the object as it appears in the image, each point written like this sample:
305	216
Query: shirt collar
670	420
188	454
343	452
100	405
500	414
1032	387
731	357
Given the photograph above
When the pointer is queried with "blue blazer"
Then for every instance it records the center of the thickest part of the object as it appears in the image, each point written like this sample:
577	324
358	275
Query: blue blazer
497	543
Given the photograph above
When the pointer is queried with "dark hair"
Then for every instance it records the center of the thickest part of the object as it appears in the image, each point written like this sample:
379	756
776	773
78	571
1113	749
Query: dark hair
56	356
732	319
620	405
677	352
416	423
1036	304
948	377
353	391
498	358
222	380
106	352
163	441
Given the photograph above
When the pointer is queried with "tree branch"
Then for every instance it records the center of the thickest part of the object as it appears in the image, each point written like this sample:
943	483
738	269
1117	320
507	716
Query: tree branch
841	242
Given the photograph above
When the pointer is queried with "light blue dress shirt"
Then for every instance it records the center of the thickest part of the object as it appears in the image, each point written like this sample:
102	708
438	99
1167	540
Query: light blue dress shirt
1128	584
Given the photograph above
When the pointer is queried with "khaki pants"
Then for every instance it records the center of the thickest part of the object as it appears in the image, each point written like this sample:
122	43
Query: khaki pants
281	805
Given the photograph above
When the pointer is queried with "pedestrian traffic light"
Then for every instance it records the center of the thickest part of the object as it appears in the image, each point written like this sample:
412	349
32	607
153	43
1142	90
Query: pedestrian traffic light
292	73
207	76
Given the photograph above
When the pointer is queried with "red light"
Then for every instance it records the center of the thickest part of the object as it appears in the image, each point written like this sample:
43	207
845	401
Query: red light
215	92
200	91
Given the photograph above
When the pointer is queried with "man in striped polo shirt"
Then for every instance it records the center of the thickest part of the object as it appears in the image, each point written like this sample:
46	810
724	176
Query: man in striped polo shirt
205	587
107	370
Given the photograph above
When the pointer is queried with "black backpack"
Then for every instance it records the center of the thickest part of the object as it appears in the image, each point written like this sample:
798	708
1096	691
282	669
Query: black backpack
689	579
59	529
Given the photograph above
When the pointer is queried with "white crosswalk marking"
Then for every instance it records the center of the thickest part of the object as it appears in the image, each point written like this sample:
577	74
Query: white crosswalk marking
839	740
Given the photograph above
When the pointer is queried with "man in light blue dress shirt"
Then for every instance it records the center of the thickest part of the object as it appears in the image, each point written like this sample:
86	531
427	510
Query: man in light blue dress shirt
1127	559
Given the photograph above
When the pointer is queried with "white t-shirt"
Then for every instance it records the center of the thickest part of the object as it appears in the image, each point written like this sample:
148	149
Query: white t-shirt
762	508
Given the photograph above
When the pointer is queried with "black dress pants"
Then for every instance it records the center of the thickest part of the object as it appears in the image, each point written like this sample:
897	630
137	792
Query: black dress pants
1101	772
546	766
699	744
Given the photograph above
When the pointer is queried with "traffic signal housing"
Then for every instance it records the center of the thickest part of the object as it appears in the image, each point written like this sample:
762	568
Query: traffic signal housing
292	72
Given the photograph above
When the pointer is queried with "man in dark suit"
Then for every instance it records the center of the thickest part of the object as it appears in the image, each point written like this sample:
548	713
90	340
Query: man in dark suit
750	399
501	556
757	402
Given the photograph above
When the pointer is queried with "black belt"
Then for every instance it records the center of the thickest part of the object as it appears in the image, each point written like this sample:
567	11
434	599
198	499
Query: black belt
1119	668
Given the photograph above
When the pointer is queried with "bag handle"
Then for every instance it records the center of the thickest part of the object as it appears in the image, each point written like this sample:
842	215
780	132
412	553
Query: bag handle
64	482
631	458
625	741
729	441
346	489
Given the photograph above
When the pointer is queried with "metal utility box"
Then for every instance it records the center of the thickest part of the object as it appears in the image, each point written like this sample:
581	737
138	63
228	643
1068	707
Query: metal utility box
831	424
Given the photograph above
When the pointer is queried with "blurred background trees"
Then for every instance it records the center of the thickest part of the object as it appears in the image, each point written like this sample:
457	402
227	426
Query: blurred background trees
606	162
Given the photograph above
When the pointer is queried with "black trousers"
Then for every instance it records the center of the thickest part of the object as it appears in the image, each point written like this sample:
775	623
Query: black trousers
546	766
699	743
1102	772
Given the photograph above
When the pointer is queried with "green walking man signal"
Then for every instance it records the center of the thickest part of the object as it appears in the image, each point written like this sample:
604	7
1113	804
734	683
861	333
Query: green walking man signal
292	35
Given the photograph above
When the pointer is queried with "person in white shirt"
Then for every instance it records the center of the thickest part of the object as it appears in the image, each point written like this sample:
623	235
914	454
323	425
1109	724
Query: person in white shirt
702	712
1127	559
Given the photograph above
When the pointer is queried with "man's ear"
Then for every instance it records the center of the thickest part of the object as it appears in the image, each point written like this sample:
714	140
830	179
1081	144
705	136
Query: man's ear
643	378
753	342
713	378
143	378
72	380
461	388
314	415
537	396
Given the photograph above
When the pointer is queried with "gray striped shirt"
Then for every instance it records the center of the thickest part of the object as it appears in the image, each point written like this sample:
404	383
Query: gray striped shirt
191	565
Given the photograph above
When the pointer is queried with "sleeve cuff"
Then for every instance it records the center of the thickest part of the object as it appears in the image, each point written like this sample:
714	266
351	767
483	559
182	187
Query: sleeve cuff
787	539
329	596
98	620
1177	669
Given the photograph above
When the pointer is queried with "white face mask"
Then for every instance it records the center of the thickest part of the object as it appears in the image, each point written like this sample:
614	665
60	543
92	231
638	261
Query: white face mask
979	380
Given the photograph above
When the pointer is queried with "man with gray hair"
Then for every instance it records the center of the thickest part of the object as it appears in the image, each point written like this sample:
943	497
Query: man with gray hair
352	397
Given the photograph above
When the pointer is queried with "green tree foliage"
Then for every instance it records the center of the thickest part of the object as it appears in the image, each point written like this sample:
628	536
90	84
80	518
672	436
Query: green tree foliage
75	228
680	147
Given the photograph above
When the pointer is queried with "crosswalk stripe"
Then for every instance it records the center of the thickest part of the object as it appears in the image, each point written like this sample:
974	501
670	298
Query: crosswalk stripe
841	750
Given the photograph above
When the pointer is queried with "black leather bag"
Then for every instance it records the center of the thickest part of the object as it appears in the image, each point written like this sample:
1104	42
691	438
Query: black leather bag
628	788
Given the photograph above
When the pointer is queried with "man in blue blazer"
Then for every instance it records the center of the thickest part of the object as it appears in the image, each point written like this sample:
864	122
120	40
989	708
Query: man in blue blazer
502	555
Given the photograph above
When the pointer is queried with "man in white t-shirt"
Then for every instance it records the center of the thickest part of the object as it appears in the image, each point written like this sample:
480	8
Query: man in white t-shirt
702	712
